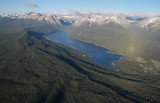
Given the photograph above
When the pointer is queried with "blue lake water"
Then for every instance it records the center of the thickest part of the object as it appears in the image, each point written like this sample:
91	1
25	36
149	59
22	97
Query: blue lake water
97	54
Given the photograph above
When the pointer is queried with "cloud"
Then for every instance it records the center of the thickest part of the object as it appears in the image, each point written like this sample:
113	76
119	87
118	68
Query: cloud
101	12
31	4
142	14
81	12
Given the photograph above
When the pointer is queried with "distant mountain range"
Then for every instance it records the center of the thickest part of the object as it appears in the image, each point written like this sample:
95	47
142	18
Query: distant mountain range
53	19
36	70
149	23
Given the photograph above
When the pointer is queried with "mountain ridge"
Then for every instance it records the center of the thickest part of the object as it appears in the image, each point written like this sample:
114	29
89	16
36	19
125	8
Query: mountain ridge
148	23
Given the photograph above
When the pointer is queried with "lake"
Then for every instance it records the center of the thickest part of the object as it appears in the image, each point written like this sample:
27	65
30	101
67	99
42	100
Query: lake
97	54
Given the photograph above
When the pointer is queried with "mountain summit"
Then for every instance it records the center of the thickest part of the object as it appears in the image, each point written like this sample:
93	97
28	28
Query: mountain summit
149	23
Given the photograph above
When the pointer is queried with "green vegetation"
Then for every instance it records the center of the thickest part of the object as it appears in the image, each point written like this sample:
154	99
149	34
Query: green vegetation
133	43
34	70
117	39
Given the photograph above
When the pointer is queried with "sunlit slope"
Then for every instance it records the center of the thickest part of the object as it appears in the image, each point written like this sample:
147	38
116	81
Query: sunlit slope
133	43
113	37
35	70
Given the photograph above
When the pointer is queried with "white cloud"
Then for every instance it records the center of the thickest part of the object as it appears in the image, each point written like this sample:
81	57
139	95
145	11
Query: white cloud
86	12
142	14
81	12
31	4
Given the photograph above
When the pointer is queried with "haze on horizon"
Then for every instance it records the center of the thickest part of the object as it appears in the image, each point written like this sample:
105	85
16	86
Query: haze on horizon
50	6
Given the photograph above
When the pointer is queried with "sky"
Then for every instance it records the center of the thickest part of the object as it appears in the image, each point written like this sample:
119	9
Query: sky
49	6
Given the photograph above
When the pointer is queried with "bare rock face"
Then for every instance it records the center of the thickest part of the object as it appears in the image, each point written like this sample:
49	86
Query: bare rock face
53	19
150	23
102	19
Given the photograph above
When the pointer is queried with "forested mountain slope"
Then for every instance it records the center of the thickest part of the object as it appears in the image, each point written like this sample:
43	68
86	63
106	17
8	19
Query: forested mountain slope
35	70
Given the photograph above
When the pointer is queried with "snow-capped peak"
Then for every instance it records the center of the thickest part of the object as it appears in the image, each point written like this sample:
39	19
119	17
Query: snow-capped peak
53	19
102	19
152	23
148	21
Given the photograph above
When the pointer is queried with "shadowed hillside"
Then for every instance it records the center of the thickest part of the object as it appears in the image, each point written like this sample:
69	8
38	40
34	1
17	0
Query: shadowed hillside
34	70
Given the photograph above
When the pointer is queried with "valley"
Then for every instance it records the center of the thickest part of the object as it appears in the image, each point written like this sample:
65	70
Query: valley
97	54
34	69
